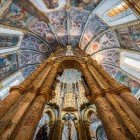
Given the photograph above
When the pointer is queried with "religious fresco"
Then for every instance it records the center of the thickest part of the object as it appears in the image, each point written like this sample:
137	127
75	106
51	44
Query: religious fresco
85	4
8	65
130	37
28	57
94	27
31	42
77	21
110	69
7	40
51	4
16	16
58	20
127	81
105	41
44	30
111	56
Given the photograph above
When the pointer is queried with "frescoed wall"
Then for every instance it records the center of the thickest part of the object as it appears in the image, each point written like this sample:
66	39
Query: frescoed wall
44	30
8	65
77	21
126	80
51	4
32	51
94	27
111	56
58	20
7	40
130	37
105	41
15	15
28	70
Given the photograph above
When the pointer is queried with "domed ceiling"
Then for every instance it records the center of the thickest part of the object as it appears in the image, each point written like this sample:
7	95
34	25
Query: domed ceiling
47	24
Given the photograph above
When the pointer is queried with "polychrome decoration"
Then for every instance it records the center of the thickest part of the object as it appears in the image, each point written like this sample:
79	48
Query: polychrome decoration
94	27
127	81
16	16
77	19
7	40
51	4
58	20
130	37
45	31
8	65
105	41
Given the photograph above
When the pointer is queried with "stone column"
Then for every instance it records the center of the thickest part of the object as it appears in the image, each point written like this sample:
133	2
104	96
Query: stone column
123	91
52	130
30	122
16	91
58	130
11	119
121	108
81	131
87	128
104	110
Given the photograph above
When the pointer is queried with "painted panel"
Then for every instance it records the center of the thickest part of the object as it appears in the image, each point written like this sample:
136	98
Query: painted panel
87	5
7	40
111	56
33	43
8	65
77	23
130	37
16	16
44	30
51	4
105	41
94	27
28	70
126	80
27	57
59	23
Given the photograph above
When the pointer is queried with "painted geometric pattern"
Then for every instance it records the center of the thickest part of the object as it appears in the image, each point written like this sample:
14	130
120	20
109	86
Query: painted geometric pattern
110	69
15	15
105	41
77	22
59	23
94	27
28	70
130	37
111	56
44	30
33	43
8	65
27	57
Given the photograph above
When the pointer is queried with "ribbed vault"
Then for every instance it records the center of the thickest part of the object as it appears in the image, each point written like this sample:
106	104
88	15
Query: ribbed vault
73	23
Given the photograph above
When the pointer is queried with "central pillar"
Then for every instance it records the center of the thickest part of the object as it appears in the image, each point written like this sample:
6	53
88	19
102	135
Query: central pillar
30	122
113	128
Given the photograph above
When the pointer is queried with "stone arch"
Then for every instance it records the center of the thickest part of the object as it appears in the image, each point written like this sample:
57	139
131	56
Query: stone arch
88	111
49	110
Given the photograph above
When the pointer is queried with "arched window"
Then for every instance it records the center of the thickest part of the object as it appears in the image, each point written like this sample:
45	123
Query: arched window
118	9
130	63
10	82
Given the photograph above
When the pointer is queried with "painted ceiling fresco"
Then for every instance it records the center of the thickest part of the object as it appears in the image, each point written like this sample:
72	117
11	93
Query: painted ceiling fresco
73	24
